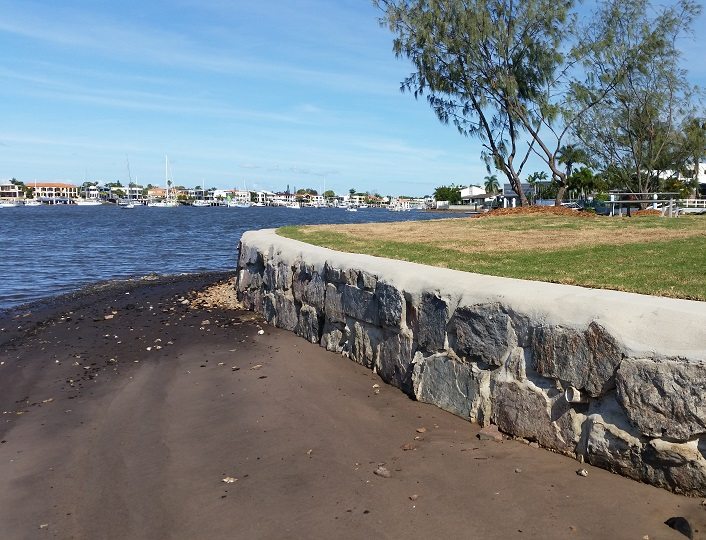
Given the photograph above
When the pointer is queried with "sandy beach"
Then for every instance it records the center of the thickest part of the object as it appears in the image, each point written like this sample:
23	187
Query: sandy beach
159	410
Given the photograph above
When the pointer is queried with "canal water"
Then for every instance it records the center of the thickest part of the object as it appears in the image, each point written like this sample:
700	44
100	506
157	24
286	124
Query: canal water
50	250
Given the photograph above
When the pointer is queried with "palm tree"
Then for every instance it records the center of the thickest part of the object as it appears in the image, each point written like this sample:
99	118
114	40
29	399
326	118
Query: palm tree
533	179
492	185
570	155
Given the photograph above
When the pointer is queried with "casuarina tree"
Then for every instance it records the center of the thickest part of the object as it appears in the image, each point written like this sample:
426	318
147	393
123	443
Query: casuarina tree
515	74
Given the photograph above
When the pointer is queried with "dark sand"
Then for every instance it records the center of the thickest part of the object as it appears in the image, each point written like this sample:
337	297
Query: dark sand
103	439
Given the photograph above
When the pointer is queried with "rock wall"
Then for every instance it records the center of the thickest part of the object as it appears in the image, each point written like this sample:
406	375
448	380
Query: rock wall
615	379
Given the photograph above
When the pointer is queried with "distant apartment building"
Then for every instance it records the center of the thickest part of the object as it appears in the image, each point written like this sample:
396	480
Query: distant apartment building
55	190
8	190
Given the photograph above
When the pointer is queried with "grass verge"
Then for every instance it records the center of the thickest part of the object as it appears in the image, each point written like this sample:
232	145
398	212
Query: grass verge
648	255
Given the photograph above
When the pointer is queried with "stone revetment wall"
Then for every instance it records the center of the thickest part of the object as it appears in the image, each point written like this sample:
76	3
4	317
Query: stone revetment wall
615	379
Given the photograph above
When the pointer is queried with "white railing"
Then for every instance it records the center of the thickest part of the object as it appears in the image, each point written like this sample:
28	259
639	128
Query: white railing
692	203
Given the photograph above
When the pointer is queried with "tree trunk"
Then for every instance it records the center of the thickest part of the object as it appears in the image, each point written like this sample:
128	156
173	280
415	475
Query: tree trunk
561	190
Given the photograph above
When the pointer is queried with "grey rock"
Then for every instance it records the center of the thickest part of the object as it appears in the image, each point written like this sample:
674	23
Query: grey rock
359	304
351	276
586	359
366	281
453	386
664	399
249	280
391	304
394	359
678	467
364	343
433	316
269	276
334	336
613	449
333	304
525	411
490	433
522	326
308	325
383	471
284	276
269	308
482	334
309	288
334	275
287	316
249	255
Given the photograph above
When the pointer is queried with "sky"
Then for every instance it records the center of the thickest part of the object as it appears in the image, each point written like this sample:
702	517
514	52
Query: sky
261	95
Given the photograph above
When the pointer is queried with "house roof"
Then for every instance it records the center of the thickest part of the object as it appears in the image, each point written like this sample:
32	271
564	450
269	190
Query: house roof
52	184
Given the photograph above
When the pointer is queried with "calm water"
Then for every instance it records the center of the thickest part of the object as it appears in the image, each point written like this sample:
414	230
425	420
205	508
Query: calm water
45	251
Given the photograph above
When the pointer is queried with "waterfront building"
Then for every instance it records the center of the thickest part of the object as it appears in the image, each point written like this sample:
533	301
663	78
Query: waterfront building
264	197
156	193
10	191
283	199
238	196
55	192
92	192
197	194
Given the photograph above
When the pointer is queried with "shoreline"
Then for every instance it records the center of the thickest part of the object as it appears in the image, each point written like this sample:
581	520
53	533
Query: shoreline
102	437
108	285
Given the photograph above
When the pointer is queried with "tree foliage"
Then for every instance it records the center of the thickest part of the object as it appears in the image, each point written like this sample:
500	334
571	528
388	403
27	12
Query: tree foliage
522	75
492	186
643	134
448	193
499	70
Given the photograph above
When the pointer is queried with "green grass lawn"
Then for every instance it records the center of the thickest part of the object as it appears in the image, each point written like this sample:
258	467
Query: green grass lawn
593	255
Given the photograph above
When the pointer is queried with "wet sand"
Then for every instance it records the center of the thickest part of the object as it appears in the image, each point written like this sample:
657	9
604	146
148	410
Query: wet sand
102	438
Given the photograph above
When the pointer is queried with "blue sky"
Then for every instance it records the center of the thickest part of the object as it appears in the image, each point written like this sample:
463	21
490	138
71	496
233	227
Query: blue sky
261	94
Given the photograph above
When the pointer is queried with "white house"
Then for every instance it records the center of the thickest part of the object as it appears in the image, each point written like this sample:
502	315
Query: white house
91	192
8	190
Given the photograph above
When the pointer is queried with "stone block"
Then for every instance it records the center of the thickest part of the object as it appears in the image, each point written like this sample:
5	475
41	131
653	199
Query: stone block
287	316
284	276
433	314
679	467
586	359
269	276
359	304
334	336
308	287
459	388
249	280
269	308
333	304
308	325
394	359
366	281
391	305
364	343
249	254
523	410
482	333
665	399
334	275
610	441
